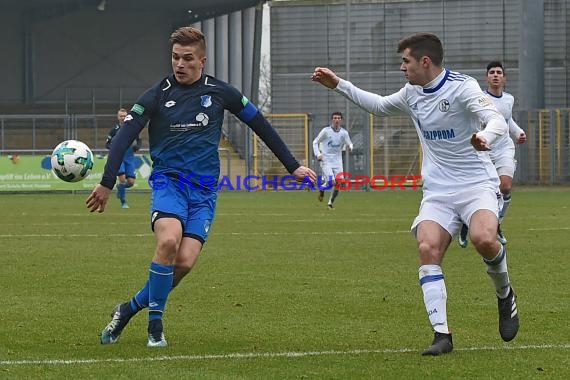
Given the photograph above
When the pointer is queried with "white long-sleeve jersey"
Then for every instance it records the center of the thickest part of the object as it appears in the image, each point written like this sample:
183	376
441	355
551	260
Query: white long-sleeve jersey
504	104
445	112
330	144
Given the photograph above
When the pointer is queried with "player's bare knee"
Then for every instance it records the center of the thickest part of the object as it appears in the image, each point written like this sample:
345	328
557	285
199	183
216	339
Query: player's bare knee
167	247
428	253
484	242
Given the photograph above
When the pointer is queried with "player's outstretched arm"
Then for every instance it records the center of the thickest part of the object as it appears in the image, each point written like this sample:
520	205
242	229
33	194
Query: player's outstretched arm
249	114
97	200
302	173
325	76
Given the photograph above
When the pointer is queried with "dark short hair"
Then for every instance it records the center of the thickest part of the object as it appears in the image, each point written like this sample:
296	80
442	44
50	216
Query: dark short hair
423	44
338	113
495	64
188	35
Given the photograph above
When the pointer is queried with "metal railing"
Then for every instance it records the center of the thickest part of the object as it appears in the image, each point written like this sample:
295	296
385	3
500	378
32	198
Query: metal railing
382	145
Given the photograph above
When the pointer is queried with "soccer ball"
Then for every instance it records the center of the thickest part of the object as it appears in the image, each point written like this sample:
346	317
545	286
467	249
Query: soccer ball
202	118
72	161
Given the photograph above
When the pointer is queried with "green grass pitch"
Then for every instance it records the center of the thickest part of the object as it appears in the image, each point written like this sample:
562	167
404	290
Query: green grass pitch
284	289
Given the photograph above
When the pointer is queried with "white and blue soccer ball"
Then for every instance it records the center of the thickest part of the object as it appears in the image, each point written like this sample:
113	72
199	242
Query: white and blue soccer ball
202	118
72	161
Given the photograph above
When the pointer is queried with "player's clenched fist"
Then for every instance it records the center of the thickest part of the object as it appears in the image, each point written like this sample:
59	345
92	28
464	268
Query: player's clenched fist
325	76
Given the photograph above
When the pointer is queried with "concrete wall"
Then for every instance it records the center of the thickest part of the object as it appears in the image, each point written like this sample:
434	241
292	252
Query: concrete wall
84	55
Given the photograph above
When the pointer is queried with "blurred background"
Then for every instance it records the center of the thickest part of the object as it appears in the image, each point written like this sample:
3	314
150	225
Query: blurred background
68	65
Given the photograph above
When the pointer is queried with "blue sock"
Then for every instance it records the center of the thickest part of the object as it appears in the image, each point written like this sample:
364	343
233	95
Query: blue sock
159	285
121	193
140	300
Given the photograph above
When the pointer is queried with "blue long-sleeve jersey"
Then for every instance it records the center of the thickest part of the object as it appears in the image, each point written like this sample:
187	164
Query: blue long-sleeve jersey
185	126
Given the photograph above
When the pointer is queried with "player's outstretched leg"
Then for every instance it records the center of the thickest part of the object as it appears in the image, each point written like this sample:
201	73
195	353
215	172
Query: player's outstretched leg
463	240
121	315
321	195
442	344
508	316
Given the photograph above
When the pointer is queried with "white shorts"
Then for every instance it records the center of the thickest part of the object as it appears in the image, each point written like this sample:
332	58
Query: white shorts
504	161
330	171
453	209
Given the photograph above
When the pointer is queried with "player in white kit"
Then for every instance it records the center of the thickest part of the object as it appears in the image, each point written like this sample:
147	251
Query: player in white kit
328	147
503	152
460	181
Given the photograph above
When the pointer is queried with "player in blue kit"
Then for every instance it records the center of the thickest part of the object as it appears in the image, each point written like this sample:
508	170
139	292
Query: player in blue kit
460	182
126	172
185	112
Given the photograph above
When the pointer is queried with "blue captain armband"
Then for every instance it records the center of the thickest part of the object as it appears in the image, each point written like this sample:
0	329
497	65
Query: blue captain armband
248	112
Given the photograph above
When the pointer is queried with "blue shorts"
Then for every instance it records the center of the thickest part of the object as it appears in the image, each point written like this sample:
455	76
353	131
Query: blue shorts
128	166
194	206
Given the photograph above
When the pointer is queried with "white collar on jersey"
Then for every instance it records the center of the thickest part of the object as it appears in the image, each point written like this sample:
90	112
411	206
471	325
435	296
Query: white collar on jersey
436	81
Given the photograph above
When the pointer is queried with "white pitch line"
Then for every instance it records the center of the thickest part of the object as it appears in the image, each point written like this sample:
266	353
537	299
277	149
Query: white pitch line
71	235
262	355
242	234
280	220
314	233
550	229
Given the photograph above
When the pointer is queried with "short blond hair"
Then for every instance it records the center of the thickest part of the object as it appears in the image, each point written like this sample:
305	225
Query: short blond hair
188	35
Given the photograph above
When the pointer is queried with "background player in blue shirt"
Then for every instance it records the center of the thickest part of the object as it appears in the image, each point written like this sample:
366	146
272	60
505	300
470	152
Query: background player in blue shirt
185	112
126	172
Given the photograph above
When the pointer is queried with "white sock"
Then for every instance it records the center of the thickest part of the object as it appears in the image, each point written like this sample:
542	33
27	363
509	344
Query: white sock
435	296
497	270
506	204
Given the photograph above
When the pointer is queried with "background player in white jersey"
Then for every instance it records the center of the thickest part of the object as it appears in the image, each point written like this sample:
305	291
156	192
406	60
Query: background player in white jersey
503	152
460	182
328	147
